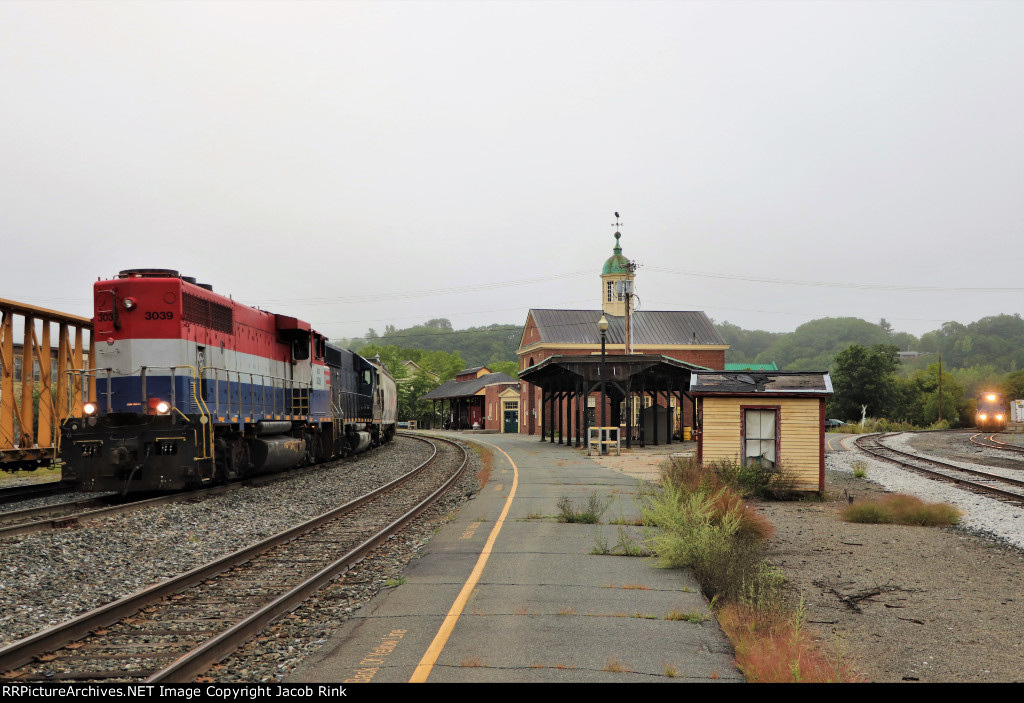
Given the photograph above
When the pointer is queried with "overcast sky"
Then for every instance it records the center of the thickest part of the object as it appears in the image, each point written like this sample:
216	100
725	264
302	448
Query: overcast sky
363	164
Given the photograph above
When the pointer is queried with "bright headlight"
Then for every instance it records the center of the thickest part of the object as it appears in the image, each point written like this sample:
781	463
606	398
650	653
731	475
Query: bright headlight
89	408
163	407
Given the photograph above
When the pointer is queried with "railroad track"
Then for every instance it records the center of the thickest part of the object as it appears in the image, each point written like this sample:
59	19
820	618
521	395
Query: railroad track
990	442
175	630
1007	489
35	490
73	513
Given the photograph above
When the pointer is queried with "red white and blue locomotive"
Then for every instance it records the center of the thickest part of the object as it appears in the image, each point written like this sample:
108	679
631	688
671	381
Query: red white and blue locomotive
193	388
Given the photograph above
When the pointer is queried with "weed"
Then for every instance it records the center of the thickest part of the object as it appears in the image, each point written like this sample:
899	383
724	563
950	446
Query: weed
747	480
634	587
670	671
567	611
614	666
601	546
773	648
629	545
860	469
521	611
535	515
645	616
902	509
473	662
397	581
590	513
622	520
690	616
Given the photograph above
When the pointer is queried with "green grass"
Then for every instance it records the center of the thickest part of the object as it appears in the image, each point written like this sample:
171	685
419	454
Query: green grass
860	469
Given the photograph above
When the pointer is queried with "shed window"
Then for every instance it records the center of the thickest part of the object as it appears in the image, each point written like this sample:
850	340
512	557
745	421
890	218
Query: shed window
760	439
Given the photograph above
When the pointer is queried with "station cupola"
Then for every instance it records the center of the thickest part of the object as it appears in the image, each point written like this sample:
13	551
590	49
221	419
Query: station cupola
616	269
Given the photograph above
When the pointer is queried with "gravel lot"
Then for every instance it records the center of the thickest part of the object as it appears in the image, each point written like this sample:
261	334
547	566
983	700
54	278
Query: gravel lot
935	604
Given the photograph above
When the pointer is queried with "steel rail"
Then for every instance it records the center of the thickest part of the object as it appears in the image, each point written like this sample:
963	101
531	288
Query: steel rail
199	660
880	449
990	442
24	651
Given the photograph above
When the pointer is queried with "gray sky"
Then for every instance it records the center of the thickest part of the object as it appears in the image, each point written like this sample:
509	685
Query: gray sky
362	164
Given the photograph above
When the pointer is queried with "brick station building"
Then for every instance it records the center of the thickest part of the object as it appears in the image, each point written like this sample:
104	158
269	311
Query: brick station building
682	336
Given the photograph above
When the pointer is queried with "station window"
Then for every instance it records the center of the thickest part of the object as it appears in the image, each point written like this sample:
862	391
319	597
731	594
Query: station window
760	438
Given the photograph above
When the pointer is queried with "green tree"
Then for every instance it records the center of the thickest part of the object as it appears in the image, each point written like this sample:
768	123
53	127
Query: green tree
863	376
509	367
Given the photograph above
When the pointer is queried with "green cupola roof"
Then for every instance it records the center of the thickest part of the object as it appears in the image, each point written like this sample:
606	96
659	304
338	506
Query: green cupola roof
616	263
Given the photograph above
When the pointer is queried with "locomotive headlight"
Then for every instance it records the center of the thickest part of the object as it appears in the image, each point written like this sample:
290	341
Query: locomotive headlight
999	417
89	408
129	303
982	416
163	407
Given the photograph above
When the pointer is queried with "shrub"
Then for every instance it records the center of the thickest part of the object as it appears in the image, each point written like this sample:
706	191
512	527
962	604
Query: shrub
714	535
771	648
753	481
902	509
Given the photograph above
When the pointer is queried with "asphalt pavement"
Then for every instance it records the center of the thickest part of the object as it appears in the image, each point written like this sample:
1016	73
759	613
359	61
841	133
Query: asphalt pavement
507	593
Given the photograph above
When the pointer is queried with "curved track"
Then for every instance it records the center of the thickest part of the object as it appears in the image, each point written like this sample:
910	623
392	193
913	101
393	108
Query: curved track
1007	489
989	441
177	629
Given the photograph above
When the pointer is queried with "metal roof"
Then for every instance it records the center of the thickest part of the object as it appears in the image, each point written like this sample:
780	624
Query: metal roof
770	366
668	327
760	383
461	389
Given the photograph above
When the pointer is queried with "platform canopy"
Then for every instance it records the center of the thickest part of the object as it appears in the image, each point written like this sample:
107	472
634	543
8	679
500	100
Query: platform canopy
574	378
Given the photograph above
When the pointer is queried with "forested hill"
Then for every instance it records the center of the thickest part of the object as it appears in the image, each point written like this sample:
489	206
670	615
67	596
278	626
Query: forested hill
996	342
476	345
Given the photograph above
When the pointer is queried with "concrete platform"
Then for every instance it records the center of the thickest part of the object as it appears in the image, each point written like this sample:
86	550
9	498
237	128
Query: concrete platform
506	593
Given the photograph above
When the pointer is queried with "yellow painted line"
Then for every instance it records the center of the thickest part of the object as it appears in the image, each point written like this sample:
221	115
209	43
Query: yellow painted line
426	664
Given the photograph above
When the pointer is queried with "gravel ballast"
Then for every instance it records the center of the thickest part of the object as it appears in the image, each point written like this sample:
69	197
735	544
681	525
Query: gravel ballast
935	604
52	576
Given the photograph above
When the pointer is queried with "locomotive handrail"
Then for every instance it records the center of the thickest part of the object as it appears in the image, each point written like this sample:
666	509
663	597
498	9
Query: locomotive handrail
287	385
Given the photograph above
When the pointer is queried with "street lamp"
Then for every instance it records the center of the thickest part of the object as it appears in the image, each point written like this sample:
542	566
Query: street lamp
603	326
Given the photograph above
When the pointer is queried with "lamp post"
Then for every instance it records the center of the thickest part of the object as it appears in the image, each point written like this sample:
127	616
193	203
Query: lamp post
603	326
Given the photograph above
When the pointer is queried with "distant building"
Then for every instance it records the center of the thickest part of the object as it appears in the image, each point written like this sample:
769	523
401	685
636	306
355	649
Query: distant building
413	368
677	335
477	399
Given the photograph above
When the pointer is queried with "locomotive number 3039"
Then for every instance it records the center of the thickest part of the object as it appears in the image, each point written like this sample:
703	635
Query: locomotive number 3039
160	315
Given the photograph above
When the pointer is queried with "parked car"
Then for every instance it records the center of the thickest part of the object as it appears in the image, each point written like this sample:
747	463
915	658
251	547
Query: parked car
833	423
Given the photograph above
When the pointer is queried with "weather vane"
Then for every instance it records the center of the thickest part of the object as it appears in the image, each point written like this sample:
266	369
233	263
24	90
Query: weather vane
617	223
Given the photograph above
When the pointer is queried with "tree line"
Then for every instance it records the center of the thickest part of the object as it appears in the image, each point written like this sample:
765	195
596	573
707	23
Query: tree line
863	358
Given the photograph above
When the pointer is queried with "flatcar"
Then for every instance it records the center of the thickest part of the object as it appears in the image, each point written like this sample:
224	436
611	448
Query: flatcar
991	413
193	388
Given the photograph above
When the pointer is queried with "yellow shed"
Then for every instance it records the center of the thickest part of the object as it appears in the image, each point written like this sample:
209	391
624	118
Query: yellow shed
772	418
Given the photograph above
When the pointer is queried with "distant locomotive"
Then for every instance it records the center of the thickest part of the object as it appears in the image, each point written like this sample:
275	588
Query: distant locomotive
193	388
991	415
